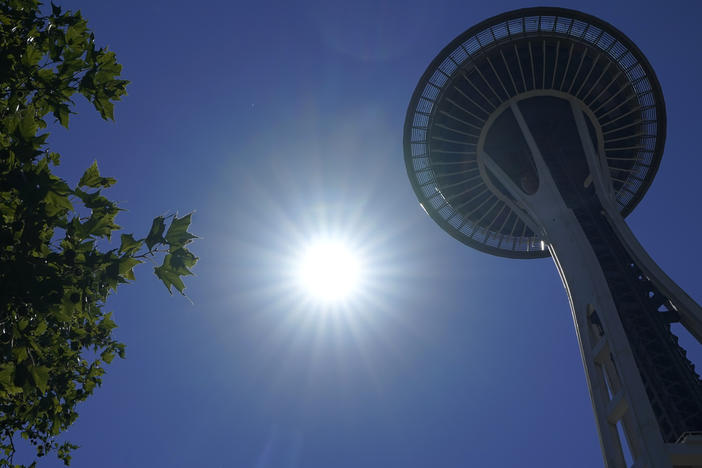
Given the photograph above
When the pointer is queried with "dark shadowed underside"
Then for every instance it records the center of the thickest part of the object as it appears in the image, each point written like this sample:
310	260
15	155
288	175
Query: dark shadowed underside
527	51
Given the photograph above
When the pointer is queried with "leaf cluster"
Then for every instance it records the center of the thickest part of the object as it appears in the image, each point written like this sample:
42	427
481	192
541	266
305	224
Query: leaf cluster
55	274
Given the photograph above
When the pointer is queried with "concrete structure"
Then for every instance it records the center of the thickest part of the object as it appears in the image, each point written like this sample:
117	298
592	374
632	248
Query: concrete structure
535	133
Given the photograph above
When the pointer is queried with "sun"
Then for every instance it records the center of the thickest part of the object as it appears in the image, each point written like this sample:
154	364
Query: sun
329	271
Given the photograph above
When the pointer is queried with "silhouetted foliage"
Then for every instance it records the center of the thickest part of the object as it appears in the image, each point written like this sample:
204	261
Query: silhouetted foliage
55	271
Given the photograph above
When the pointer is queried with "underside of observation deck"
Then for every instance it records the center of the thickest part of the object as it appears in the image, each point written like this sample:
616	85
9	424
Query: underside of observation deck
522	52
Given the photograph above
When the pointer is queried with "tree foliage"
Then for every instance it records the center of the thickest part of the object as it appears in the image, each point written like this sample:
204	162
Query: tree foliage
56	267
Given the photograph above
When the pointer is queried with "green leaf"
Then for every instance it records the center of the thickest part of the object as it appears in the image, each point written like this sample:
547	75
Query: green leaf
40	375
95	201
20	353
107	324
98	225
156	233
7	372
57	203
28	124
31	56
55	158
92	178
178	235
181	260
107	356
7	379
61	113
105	107
64	312
41	328
129	245
126	263
169	277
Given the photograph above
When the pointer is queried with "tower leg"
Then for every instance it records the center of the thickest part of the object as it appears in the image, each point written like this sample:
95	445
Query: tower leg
646	395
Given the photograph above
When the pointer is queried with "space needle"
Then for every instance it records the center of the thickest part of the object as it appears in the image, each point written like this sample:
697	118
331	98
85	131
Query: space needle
534	134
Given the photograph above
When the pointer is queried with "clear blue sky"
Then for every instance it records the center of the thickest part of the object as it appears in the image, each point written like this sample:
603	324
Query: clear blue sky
278	122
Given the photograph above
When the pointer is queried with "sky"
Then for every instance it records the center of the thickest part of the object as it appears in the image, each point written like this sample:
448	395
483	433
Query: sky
279	123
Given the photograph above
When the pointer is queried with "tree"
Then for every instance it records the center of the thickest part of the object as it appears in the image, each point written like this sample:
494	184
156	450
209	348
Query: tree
56	267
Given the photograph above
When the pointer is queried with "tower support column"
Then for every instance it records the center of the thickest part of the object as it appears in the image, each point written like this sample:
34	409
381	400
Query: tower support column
645	395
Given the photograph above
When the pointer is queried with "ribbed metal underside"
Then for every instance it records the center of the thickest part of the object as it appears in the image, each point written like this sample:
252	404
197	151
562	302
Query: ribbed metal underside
524	52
